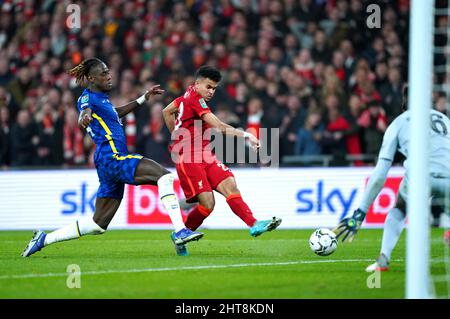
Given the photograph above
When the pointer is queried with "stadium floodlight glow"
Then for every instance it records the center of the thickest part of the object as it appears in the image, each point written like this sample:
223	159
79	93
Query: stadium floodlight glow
419	100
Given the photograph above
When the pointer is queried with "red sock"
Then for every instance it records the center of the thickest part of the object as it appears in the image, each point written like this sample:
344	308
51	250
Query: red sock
196	217
241	209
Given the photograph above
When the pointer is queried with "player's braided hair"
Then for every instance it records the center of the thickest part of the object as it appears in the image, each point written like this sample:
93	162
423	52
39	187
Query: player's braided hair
81	71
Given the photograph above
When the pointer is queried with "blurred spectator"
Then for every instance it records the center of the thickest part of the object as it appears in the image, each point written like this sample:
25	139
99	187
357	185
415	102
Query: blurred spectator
374	121
225	115
320	50
49	125
346	47
254	116
368	92
228	153
240	99
73	139
290	48
6	101
339	65
5	145
332	86
290	55
355	131
336	27
304	65
293	119
360	76
381	75
310	135
20	86
334	140
391	93
5	73
376	52
305	35
306	10
442	105
24	139
155	136
58	40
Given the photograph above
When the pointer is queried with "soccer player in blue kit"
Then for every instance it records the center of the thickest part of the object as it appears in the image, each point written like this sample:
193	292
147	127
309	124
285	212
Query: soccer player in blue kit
115	165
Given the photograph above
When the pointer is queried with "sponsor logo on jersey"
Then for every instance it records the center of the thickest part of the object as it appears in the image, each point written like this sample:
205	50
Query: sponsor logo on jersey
85	98
203	103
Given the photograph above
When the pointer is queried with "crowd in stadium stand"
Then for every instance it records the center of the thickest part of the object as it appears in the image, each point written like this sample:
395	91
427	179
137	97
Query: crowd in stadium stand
311	68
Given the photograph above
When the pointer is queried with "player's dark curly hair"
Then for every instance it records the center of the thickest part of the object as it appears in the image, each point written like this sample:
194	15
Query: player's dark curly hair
208	72
81	71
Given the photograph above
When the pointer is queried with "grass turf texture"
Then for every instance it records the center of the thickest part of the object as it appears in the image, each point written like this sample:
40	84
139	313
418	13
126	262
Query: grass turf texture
224	264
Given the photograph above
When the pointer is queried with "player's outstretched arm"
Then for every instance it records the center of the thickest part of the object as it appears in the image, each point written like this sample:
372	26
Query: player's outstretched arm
214	122
169	115
127	108
348	227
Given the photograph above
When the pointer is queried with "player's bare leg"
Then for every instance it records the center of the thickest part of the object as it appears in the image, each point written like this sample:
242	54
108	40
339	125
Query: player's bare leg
229	190
185	206
393	227
105	209
149	172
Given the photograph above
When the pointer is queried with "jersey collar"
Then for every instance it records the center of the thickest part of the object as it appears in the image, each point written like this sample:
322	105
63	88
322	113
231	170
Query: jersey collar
99	94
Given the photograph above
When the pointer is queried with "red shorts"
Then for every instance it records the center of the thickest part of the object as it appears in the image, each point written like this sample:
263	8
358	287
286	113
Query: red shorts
196	178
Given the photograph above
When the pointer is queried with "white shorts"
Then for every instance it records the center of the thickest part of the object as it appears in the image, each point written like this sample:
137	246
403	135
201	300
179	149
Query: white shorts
439	187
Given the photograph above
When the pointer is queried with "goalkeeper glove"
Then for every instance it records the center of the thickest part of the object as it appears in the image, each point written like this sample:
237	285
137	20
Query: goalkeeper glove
348	227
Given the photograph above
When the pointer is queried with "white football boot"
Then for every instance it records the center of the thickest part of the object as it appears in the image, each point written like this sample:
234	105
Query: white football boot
381	264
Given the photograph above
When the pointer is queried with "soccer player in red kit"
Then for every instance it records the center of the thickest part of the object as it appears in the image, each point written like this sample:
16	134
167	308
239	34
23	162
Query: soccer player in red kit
200	172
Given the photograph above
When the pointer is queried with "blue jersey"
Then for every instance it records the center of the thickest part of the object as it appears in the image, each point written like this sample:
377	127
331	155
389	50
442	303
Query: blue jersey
115	166
106	128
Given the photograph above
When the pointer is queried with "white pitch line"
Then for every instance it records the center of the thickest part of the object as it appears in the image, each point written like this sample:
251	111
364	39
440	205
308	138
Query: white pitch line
103	272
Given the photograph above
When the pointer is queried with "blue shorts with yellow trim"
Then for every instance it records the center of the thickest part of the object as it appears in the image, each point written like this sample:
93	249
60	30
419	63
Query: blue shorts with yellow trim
114	171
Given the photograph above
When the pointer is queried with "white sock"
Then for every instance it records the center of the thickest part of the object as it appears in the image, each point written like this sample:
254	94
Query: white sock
74	230
170	200
393	227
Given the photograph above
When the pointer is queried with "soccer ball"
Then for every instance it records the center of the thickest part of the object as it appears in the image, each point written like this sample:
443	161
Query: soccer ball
323	242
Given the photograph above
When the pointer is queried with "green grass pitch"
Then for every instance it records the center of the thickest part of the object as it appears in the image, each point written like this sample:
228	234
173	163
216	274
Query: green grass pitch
224	264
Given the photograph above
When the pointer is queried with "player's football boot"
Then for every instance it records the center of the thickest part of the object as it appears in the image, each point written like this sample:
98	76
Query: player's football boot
185	235
36	244
263	226
180	249
381	264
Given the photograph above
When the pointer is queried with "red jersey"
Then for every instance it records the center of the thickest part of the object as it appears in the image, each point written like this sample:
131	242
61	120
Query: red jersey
189	132
197	166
